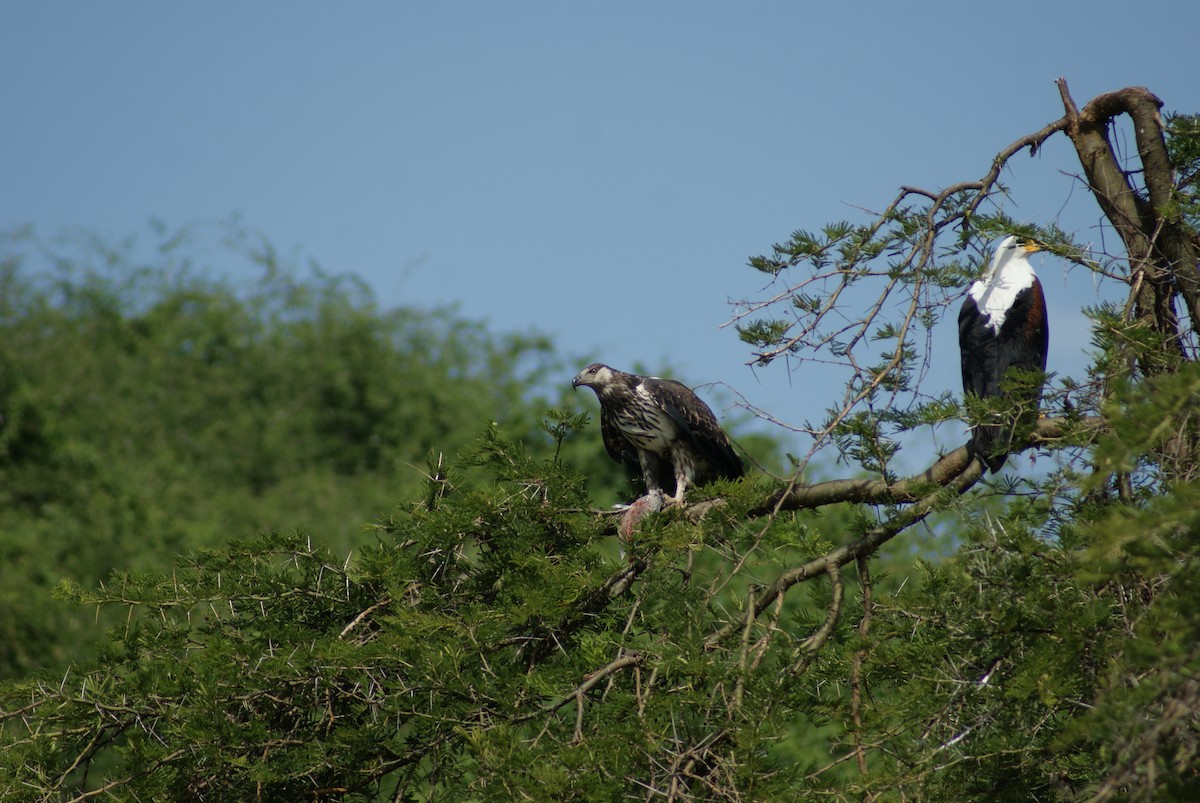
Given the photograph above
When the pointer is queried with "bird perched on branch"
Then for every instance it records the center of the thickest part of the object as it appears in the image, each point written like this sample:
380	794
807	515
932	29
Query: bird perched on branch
1002	325
662	428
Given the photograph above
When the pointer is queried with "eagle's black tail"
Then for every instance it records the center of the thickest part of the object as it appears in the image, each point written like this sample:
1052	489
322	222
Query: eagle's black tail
989	442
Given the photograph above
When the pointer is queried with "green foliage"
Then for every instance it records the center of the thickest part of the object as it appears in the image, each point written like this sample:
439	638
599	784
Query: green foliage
1183	144
448	661
149	407
1025	669
1155	417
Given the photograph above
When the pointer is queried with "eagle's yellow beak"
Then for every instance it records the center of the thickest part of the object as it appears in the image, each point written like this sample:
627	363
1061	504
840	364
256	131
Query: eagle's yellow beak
1031	247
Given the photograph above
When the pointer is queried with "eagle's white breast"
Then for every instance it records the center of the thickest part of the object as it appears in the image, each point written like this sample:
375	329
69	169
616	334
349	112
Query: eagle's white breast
995	295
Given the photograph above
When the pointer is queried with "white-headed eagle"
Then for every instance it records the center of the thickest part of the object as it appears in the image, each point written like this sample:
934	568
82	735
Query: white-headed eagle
662	428
1002	325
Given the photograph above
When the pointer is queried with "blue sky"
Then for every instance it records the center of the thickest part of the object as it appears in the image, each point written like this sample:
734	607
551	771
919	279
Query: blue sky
598	172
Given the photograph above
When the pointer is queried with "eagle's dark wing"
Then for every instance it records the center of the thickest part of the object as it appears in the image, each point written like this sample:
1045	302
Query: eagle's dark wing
619	447
697	425
977	344
979	347
1025	336
1021	343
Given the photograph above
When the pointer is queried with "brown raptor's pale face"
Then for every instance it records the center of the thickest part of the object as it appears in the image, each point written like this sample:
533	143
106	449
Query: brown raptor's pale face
597	375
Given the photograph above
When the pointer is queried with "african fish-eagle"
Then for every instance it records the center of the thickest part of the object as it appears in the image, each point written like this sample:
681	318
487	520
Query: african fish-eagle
660	427
1002	325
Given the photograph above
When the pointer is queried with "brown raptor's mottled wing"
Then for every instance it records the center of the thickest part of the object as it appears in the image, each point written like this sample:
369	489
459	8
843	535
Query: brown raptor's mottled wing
617	445
697	425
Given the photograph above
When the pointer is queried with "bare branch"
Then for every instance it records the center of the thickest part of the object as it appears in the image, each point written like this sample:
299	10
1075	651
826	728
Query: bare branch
359	619
811	645
1048	433
576	695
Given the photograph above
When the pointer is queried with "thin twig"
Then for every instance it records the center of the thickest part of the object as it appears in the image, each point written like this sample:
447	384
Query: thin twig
856	668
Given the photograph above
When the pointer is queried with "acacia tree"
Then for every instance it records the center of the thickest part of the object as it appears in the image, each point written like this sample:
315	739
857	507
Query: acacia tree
761	643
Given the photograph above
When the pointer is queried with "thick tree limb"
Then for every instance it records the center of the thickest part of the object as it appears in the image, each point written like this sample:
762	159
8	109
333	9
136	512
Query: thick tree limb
1161	249
800	496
